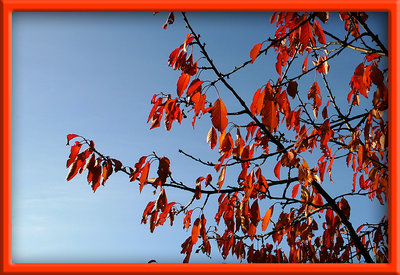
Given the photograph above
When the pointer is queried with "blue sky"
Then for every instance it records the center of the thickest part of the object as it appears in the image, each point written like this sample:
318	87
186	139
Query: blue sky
94	74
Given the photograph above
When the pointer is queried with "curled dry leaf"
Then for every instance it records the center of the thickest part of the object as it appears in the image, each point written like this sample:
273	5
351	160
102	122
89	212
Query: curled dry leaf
212	137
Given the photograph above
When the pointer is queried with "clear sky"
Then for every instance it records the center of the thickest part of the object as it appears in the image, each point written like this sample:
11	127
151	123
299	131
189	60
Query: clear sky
94	74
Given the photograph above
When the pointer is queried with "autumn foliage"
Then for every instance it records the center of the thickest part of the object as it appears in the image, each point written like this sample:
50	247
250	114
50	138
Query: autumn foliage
278	208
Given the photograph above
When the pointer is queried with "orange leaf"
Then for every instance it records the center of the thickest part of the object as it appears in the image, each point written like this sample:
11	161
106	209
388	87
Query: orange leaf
196	230
269	115
267	217
360	155
221	178
182	84
218	115
254	52
277	170
212	137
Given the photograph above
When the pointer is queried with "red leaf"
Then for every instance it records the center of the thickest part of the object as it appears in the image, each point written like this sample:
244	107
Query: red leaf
194	86
360	155
318	200
74	153
277	170
144	175
254	52
173	57
152	222
371	57
71	136
167	210
295	190
255	213
197	192
107	171
189	38
362	183
96	175
304	67
322	65
170	20
138	168
315	94
269	115
212	137
186	219
218	115
278	65
161	201
305	36
147	211
345	207
227	143
182	84
376	75
273	17
89	163
324	113
163	169
358	81
323	16
118	165
196	230
267	217
257	103
292	88
208	180
73	170
319	32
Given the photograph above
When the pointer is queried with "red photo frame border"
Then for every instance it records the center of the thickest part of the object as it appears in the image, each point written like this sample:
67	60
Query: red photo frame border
7	7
